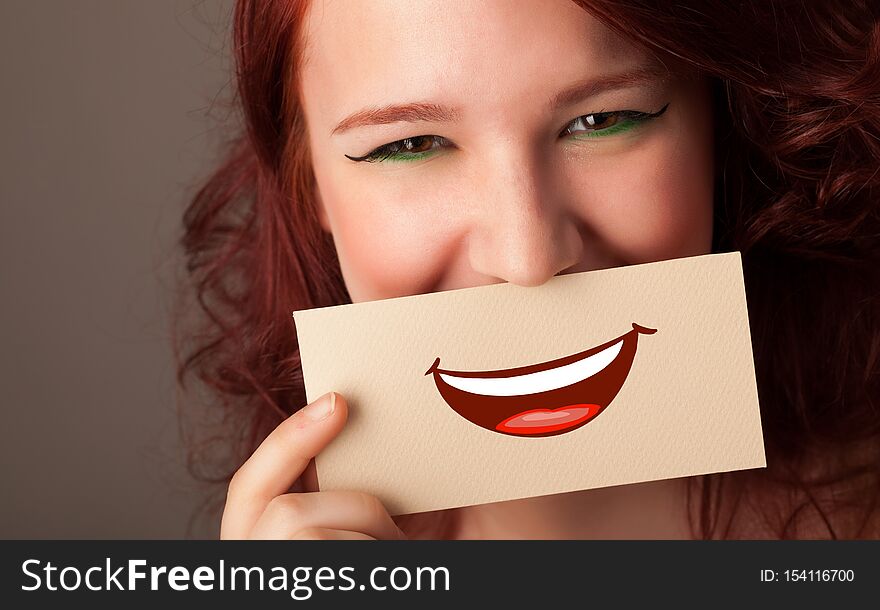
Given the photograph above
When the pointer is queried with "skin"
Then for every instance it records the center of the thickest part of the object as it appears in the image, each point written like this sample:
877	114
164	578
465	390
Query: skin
512	189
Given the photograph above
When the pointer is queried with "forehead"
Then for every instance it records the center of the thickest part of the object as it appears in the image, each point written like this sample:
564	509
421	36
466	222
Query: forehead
450	51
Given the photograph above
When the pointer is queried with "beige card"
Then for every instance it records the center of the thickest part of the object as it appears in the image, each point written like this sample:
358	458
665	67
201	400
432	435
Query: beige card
499	392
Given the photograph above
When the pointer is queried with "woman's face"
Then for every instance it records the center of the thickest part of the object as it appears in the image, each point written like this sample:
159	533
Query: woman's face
523	144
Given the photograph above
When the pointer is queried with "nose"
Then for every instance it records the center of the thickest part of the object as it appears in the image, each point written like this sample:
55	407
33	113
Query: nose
523	232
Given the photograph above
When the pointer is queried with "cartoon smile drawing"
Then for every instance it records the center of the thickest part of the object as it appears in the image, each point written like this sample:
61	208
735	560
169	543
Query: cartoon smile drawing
543	399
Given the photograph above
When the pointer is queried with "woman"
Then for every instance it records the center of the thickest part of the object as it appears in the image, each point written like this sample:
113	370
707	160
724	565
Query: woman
395	148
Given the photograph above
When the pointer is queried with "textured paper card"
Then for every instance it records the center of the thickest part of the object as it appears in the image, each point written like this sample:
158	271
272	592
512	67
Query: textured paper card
499	392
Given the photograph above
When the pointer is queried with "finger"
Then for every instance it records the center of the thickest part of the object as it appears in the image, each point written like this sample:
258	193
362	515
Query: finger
326	533
346	510
279	461
307	481
310	477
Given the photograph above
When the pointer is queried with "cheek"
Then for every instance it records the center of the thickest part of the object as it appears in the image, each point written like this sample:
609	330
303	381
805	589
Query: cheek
390	242
654	204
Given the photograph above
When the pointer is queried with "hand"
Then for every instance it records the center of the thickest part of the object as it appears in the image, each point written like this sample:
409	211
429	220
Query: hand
259	507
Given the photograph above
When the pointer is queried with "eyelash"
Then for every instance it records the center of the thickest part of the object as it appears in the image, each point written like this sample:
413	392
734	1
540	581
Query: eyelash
626	120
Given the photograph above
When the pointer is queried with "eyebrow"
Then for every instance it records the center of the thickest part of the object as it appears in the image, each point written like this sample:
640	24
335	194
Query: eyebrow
588	88
418	111
435	113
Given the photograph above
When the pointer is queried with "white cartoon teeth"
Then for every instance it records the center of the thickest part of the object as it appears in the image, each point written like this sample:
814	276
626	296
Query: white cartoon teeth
541	381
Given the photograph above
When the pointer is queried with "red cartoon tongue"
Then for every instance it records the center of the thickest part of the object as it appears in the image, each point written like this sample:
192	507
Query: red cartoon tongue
541	421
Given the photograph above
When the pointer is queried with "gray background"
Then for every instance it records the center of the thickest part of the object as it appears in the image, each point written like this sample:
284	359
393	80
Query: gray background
111	114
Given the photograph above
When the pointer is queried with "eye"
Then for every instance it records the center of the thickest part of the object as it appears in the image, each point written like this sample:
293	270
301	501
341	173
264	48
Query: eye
600	124
409	149
586	126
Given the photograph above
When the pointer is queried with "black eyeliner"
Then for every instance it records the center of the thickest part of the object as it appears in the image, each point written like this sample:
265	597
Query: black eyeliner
650	115
375	154
364	158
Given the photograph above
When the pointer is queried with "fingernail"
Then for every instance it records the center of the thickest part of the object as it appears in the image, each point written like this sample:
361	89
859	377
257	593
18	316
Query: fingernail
321	408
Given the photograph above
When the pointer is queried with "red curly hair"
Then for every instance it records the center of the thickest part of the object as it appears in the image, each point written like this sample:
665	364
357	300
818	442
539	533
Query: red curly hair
797	107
